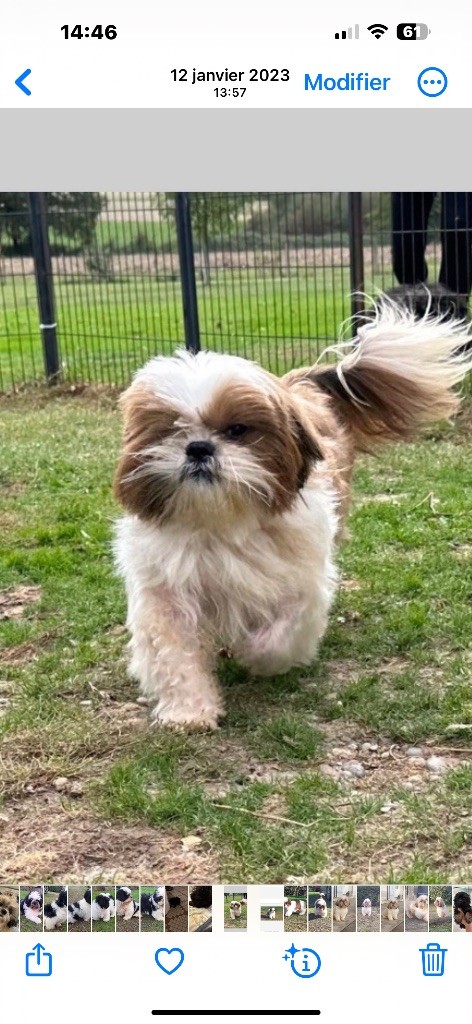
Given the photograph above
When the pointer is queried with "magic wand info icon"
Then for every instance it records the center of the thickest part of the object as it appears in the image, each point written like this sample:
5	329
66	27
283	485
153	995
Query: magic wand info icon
304	962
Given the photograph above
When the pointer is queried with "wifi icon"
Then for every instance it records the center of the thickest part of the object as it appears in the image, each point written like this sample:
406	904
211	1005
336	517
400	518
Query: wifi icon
377	30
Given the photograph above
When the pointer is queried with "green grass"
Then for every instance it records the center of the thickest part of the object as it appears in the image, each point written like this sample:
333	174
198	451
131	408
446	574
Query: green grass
395	663
104	926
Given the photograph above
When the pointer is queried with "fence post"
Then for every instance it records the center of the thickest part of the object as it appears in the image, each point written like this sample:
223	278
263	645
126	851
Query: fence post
187	270
356	253
44	284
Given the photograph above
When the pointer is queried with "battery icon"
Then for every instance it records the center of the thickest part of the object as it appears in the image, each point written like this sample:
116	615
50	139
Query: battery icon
413	30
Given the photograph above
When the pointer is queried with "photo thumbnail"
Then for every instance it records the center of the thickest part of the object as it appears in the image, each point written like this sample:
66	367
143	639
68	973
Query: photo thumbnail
9	908
235	909
200	908
392	908
320	908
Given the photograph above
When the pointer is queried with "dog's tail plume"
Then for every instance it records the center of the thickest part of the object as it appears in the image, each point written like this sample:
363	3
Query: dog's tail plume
398	375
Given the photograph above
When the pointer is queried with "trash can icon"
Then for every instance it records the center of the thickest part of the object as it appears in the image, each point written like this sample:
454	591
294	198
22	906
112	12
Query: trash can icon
433	960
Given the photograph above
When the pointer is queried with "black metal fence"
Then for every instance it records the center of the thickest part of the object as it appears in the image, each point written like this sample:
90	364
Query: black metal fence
92	284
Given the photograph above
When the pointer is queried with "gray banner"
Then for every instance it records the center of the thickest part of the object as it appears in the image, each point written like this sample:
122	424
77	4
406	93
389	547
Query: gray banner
260	150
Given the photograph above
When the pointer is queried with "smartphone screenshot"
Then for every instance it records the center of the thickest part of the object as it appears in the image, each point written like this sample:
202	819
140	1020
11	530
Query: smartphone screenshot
235	511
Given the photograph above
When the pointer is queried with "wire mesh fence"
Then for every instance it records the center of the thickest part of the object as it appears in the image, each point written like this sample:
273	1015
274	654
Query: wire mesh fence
273	273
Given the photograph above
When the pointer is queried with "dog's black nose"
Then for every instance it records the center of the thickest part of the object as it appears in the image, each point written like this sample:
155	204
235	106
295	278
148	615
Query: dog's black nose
200	450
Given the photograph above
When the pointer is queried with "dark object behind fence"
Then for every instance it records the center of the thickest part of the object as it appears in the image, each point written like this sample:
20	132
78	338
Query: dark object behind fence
268	276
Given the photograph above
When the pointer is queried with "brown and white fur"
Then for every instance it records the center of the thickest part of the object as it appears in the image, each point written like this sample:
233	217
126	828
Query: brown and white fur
441	908
235	909
366	909
294	907
391	910
340	908
321	907
418	908
236	486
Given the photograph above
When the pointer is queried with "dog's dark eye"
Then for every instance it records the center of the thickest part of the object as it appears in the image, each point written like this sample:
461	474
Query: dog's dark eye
236	430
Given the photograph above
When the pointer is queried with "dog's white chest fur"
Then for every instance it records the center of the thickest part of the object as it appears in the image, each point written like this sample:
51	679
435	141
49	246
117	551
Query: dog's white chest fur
263	590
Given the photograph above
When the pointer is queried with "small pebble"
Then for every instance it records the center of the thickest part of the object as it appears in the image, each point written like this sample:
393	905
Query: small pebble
355	768
60	784
353	745
436	764
328	771
387	808
76	788
418	762
191	842
414	752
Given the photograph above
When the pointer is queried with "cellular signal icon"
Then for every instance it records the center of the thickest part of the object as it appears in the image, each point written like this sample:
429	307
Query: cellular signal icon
348	33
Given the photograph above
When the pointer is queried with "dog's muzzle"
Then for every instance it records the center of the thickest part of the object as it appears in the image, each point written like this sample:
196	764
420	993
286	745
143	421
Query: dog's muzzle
200	461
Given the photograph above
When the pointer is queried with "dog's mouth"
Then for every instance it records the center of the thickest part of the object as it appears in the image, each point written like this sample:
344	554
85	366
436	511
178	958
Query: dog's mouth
199	472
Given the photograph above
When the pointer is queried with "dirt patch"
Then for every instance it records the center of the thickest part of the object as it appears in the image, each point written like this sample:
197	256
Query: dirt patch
13	602
463	552
21	654
53	842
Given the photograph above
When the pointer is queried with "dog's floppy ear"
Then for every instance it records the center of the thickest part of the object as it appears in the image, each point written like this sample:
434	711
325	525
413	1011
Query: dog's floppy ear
307	444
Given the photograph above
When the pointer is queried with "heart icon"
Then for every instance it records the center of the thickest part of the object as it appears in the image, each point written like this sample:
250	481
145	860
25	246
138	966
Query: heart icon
169	960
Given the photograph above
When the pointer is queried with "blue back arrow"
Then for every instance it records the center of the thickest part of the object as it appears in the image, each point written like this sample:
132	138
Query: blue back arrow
21	80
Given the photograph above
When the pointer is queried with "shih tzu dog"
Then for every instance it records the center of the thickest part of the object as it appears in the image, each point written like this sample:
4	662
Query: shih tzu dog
340	908
126	906
418	908
201	897
366	909
31	906
271	914
321	906
236	484
103	907
56	912
80	910
392	910
156	904
235	909
294	907
463	910
8	913
441	908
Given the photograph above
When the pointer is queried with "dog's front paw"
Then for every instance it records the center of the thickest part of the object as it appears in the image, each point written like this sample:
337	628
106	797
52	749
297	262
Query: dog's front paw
188	719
